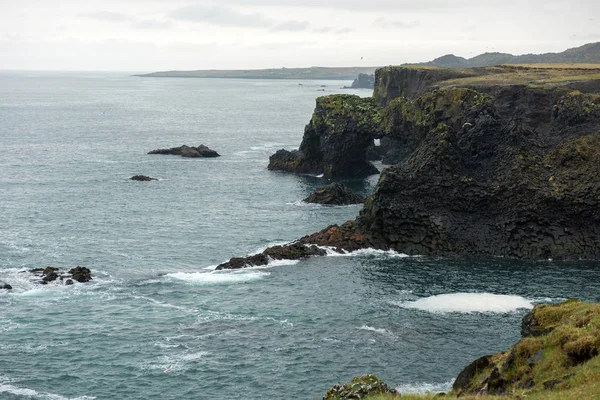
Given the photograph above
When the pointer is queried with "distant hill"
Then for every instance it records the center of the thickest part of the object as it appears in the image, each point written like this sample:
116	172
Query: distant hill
586	54
341	73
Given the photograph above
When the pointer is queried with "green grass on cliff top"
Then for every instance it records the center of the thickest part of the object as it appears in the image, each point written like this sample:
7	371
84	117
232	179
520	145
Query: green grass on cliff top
574	332
535	75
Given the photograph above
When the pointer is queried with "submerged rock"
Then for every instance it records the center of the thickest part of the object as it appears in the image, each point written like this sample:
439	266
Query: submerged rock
4	285
188	151
51	274
360	387
334	194
142	178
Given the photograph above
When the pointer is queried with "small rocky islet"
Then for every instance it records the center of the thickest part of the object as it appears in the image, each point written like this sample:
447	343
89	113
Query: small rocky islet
185	151
56	274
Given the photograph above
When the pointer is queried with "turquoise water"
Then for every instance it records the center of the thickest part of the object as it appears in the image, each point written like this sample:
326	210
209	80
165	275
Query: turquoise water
157	321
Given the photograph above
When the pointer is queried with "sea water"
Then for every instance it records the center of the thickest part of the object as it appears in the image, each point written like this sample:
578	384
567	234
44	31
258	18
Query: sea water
157	321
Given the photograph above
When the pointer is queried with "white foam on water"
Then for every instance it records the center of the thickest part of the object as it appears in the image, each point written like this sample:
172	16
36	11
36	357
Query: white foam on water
320	176
176	362
381	331
218	277
26	284
17	391
469	303
369	252
423	388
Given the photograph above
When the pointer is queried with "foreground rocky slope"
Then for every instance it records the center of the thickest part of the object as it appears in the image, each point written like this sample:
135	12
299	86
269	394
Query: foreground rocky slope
556	358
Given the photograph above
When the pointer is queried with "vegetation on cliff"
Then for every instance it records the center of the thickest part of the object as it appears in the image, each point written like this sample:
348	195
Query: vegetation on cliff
336	139
556	358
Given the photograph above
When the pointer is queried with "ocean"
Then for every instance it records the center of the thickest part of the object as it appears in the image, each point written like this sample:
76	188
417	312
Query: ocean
157	322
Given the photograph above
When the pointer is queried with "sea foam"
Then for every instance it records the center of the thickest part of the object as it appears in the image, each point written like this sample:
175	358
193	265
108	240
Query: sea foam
423	388
218	277
469	303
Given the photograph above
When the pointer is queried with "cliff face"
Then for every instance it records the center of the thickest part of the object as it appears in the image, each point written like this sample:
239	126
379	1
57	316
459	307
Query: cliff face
394	82
512	172
336	139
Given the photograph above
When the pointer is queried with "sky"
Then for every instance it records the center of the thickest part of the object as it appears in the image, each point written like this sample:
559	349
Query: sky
158	35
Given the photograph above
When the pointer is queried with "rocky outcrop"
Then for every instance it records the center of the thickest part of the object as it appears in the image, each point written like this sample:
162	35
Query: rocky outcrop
51	274
567	335
5	286
292	251
334	194
340	238
336	139
510	171
364	81
188	151
360	387
142	178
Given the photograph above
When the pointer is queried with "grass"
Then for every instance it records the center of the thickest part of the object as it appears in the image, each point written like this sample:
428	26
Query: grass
535	75
562	364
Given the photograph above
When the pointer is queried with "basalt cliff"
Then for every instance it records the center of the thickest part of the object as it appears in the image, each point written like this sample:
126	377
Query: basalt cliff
497	161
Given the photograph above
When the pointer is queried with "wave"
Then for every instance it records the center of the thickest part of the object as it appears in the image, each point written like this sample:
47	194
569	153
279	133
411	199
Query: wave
176	362
423	388
376	330
469	303
6	387
302	203
369	252
217	277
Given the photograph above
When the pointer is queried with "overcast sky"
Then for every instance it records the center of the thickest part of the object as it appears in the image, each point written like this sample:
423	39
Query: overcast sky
150	35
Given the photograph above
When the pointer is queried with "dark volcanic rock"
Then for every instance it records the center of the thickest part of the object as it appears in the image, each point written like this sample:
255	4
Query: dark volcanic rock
188	151
512	171
336	139
364	81
292	251
142	178
342	238
5	286
334	194
51	274
81	274
469	372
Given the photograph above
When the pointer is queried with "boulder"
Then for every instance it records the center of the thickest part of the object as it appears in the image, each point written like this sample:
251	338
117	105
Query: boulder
334	194
360	387
5	286
81	274
188	151
142	178
51	274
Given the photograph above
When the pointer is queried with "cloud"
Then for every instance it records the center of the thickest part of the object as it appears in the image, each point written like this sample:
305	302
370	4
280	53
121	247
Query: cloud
152	24
291	26
332	29
218	15
386	23
107	16
372	5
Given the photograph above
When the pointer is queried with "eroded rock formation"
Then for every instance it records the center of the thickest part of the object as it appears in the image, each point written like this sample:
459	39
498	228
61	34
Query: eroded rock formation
334	194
